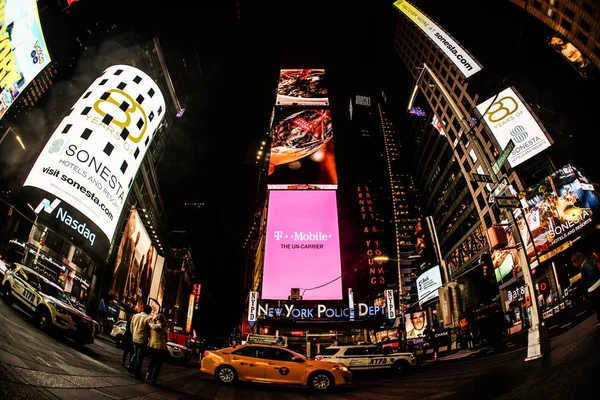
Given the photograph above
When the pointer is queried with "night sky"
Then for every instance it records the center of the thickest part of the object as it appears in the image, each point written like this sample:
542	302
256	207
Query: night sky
240	47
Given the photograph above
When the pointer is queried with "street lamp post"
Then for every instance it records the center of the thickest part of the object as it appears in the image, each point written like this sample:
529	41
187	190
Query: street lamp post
538	341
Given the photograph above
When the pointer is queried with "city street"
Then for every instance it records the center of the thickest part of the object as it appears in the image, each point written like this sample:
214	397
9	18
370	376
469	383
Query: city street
34	365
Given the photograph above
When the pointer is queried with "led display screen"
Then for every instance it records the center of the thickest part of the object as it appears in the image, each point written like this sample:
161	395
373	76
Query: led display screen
302	149
508	118
559	209
461	59
506	261
302	86
23	53
82	176
302	248
428	284
136	264
415	324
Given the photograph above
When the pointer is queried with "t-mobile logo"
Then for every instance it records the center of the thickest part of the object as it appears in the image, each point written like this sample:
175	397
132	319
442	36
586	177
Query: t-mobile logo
278	235
45	204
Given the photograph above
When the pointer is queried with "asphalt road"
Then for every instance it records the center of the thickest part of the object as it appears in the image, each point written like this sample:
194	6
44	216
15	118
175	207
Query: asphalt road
34	365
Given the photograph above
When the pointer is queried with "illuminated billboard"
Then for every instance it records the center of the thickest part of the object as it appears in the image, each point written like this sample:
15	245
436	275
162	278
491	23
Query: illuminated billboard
458	56
136	264
302	249
572	54
428	284
416	324
558	210
508	118
82	177
302	87
23	54
506	261
302	149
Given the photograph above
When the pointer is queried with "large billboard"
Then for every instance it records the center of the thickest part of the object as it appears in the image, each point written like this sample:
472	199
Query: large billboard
558	210
302	249
416	324
458	56
302	149
506	261
83	175
428	284
23	54
302	87
138	267
508	118
571	53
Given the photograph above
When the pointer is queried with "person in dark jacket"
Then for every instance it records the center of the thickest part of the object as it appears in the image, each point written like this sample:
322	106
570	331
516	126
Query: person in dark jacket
590	277
127	345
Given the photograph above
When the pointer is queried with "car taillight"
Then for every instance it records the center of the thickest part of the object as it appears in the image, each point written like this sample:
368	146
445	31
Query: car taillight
318	358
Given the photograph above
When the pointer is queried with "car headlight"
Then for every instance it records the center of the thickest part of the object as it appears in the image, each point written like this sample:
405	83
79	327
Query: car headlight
341	367
411	355
58	308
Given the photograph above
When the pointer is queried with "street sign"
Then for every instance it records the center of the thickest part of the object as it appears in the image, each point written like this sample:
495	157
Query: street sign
481	178
498	190
507	202
504	156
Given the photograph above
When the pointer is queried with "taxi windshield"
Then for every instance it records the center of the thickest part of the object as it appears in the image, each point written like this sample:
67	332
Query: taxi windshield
297	354
53	291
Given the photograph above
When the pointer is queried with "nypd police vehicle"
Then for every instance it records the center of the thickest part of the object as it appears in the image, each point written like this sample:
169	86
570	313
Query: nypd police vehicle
368	357
53	311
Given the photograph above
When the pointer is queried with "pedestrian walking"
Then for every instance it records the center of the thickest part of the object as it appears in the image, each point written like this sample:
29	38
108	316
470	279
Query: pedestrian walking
140	331
127	345
590	277
159	336
470	339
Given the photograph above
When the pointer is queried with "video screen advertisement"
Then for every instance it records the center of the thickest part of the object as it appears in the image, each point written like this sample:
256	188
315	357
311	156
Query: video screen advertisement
24	53
302	87
508	118
506	262
415	324
428	284
302	248
136	265
557	210
302	151
81	179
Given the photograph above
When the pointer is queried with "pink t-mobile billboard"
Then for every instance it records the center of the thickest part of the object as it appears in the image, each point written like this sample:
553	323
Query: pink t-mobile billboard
303	246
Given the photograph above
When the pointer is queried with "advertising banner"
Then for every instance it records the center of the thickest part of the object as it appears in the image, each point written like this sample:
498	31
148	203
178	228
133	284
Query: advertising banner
135	265
190	314
508	118
302	86
428	284
572	54
415	324
84	173
458	56
506	262
252	308
559	209
157	283
302	149
23	54
302	248
389	305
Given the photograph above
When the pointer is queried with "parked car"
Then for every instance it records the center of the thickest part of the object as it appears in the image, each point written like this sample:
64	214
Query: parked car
53	311
118	332
272	364
368	357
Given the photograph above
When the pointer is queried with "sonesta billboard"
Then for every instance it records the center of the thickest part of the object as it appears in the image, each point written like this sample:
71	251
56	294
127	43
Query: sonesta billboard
458	56
89	163
23	53
302	247
508	118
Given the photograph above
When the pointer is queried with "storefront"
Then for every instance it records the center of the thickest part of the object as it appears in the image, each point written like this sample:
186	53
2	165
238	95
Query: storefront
516	302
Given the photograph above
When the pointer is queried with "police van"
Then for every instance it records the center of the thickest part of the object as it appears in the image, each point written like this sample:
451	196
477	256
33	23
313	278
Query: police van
368	357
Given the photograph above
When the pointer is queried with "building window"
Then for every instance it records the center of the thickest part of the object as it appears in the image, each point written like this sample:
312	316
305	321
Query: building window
587	8
551	13
581	36
565	24
597	51
585	25
537	5
569	13
553	3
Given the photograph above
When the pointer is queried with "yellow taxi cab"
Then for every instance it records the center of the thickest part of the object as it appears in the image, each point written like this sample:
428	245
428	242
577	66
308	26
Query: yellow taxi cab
272	364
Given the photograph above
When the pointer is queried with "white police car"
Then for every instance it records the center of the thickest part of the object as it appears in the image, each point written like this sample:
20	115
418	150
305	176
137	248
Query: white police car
51	306
368	357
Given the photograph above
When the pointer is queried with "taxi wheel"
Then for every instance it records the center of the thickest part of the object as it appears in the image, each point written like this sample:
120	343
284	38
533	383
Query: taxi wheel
6	292
226	374
321	381
43	319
